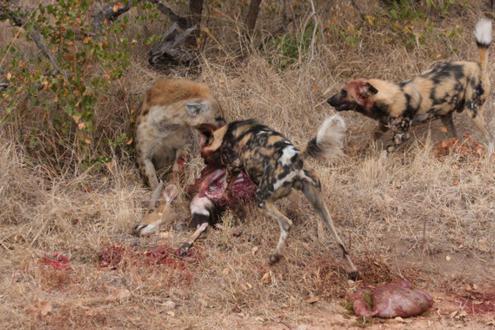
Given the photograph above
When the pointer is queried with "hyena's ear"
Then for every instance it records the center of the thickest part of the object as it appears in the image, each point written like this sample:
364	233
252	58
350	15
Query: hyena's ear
170	193
195	108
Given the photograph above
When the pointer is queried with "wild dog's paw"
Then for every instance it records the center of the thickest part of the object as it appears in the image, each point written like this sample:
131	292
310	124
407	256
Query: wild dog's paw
144	229
274	258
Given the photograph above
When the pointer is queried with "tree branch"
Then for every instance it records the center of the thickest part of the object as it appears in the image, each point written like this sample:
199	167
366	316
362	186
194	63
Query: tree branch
18	18
165	9
110	12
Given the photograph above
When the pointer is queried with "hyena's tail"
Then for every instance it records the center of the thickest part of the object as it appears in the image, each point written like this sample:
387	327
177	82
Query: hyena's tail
329	139
483	35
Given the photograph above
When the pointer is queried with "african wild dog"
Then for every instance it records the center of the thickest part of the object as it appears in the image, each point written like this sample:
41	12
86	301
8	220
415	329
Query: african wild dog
170	109
437	93
276	166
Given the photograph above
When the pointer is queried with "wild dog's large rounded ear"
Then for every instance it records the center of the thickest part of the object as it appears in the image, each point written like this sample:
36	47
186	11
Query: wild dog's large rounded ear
367	89
371	89
195	108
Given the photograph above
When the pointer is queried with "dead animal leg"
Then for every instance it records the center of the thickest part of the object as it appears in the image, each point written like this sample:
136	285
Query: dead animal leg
284	223
185	247
448	122
313	194
201	212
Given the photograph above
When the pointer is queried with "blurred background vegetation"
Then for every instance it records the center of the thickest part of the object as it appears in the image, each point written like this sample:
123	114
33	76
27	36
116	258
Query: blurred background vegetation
73	71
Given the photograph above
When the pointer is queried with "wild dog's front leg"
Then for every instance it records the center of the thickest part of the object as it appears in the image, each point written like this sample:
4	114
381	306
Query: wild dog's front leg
448	122
400	127
284	224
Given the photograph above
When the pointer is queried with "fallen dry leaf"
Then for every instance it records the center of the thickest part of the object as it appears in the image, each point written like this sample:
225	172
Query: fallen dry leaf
117	6
267	278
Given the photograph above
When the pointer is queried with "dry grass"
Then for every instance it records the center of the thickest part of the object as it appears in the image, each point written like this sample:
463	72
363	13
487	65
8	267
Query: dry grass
401	216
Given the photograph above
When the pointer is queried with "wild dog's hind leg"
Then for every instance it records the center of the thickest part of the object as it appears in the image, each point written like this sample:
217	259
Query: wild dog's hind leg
313	194
284	223
480	122
448	122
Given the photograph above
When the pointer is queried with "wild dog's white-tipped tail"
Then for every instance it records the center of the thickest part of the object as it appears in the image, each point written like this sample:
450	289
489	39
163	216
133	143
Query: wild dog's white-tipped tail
329	140
483	32
483	35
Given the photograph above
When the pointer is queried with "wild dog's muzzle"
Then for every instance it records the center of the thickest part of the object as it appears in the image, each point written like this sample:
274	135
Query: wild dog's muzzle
340	105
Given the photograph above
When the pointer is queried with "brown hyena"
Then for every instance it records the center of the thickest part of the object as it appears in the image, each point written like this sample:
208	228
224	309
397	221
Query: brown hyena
276	167
447	87
170	109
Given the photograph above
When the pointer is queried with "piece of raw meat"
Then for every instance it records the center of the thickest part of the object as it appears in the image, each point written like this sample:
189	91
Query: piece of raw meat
391	300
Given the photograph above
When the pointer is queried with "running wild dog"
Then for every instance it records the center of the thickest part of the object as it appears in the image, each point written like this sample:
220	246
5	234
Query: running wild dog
170	109
437	93
276	167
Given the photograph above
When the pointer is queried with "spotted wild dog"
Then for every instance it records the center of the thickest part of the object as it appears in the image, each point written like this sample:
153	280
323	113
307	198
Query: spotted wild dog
276	167
170	109
437	93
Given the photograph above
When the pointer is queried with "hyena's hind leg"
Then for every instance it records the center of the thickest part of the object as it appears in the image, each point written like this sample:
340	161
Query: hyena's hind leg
284	223
479	121
313	194
448	122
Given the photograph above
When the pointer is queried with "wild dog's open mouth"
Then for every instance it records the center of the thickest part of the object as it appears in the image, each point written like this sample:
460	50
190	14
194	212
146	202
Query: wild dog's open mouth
206	134
345	106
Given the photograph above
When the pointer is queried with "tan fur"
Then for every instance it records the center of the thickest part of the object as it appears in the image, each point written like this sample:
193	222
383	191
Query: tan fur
164	129
437	93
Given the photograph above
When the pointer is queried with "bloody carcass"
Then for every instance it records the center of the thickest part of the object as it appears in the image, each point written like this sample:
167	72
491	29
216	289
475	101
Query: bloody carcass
214	192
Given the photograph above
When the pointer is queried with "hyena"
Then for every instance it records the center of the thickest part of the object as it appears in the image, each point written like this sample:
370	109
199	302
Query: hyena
170	109
437	93
276	167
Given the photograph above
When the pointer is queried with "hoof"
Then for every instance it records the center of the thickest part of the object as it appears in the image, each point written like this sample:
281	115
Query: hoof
274	258
354	275
144	230
184	249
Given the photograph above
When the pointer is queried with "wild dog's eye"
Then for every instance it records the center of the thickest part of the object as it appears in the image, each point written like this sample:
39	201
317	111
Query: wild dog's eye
343	93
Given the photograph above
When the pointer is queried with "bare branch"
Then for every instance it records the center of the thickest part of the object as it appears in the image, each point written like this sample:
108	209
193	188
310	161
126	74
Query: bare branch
165	9
110	13
18	18
39	41
171	50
